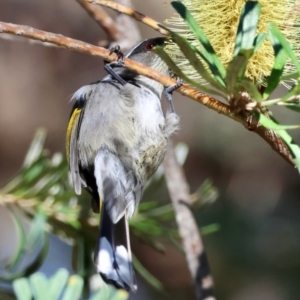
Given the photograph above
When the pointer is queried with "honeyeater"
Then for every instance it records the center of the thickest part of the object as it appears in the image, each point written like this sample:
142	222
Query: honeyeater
116	139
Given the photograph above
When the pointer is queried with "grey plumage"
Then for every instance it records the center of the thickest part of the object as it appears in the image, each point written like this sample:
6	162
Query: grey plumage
116	144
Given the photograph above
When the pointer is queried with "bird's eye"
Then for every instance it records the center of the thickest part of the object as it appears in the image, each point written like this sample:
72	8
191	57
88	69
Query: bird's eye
150	45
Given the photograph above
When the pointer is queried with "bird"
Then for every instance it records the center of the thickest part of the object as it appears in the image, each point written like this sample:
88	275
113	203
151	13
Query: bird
117	137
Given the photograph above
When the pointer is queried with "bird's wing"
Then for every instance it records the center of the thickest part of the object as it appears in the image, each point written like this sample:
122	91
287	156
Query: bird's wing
72	137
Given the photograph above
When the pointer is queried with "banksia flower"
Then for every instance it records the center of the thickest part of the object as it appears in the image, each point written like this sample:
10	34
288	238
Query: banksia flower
219	20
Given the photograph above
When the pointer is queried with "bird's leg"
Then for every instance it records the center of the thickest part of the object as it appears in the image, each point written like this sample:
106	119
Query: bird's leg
120	63
168	93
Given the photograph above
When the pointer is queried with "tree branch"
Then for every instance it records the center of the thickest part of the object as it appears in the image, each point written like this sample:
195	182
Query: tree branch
79	46
59	40
188	229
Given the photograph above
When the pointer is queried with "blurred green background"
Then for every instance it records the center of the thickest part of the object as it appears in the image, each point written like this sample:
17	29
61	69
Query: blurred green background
256	252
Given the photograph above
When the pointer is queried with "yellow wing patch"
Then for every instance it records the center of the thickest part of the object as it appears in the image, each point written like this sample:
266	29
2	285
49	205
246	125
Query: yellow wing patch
72	124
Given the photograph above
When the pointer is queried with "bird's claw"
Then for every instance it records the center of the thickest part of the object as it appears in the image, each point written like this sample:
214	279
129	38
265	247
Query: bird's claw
168	93
119	63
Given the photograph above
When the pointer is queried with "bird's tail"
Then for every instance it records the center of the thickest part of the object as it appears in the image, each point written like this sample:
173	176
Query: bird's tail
113	258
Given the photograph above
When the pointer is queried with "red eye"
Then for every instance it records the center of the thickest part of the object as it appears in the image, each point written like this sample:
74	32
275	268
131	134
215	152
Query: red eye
150	45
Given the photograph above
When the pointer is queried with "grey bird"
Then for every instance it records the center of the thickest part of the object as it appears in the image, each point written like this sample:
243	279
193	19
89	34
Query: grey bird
116	139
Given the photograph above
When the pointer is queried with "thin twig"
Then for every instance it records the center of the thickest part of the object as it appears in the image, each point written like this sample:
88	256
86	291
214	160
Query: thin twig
102	19
132	13
129	33
185	90
122	31
188	229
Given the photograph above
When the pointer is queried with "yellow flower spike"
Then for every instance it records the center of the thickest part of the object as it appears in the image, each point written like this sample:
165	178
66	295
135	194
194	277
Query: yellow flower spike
219	20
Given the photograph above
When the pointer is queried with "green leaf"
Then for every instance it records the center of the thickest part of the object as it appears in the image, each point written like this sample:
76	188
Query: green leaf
269	123
78	255
295	90
190	52
145	225
294	148
103	294
146	205
38	261
56	284
205	230
207	52
252	90
119	295
278	67
146	275
273	29
36	148
235	72
167	59
245	38
22	289
39	286
259	39
21	238
36	232
293	106
74	288
289	76
287	98
34	172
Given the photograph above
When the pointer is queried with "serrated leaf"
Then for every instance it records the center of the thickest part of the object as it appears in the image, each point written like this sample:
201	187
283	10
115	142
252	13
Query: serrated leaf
153	281
208	53
22	289
278	67
74	288
245	38
273	29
